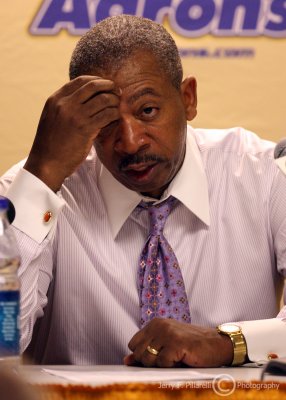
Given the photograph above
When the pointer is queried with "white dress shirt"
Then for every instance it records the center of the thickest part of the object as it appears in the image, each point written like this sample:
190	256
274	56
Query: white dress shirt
79	297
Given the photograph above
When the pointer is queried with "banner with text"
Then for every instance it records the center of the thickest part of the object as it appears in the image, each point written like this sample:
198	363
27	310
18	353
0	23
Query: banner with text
235	48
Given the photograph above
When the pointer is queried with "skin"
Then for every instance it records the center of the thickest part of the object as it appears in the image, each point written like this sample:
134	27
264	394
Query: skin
136	119
145	148
181	344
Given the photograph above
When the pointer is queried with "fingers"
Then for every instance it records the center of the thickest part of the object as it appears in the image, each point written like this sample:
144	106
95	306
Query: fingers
145	356
98	103
85	97
71	87
151	335
179	343
103	118
169	357
139	343
71	120
94	87
130	361
94	103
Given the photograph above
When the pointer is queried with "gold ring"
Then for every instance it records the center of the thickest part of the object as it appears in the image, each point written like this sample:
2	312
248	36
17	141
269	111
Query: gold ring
153	351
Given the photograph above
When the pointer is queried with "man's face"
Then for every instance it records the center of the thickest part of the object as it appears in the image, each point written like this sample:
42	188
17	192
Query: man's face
145	148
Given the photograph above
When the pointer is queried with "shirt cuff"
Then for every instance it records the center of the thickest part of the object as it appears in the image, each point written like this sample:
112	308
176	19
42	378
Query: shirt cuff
264	337
36	205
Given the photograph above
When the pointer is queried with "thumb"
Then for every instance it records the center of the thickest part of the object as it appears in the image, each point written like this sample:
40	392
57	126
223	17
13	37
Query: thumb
129	360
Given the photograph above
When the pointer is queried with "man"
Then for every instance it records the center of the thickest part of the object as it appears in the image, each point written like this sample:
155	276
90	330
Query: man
115	135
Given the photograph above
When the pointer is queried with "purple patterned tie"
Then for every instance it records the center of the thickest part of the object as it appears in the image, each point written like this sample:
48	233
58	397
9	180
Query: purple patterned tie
161	285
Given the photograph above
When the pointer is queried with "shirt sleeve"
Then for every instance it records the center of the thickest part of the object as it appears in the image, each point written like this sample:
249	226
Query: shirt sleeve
264	337
35	237
36	205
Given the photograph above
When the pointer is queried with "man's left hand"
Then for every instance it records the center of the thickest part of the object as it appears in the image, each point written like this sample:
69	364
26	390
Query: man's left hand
179	344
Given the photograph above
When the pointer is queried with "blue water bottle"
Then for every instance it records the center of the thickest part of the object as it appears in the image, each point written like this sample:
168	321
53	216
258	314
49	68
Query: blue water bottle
9	290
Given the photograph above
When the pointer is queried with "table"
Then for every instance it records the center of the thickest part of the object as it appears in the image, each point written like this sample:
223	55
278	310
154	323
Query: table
231	383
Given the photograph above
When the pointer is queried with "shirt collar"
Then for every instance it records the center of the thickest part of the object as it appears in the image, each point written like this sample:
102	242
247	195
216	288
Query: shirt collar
189	186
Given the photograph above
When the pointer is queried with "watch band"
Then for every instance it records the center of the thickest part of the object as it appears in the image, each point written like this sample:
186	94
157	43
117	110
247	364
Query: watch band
239	345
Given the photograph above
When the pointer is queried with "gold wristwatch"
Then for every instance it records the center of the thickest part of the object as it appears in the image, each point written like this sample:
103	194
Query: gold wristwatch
239	344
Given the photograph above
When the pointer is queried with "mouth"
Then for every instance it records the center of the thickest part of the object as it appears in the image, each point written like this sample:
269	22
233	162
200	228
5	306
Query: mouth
138	167
141	172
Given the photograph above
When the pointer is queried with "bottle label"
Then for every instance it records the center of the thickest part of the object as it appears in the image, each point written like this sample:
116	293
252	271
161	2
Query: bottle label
9	323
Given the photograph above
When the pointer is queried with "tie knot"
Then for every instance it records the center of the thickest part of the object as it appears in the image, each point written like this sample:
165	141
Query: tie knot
158	214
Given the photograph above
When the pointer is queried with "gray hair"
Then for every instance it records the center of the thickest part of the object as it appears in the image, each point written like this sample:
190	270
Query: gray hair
110	42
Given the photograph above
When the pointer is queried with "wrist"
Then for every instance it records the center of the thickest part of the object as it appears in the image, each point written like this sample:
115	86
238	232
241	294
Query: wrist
235	338
226	350
48	175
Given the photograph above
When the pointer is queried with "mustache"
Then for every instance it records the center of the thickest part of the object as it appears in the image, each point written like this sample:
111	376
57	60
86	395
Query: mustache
132	159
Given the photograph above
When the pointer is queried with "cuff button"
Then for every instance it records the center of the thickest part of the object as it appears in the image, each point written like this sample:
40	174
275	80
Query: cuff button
272	356
47	216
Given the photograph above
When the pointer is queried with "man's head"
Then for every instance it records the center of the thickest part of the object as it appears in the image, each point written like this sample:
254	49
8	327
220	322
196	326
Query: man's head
113	40
145	148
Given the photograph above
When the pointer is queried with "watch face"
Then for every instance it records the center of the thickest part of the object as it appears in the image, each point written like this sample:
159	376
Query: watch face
229	328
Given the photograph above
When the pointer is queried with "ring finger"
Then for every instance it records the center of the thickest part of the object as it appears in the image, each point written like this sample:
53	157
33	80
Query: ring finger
150	354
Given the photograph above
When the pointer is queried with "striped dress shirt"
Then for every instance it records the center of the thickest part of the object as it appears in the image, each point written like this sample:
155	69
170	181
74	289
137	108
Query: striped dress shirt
79	296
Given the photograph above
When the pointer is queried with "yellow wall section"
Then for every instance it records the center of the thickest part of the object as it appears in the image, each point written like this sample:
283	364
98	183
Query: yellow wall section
249	92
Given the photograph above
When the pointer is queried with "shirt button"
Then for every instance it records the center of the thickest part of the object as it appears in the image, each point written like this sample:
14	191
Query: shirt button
47	216
272	356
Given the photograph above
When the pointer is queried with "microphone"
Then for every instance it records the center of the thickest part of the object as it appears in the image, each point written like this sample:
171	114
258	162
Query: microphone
280	149
11	213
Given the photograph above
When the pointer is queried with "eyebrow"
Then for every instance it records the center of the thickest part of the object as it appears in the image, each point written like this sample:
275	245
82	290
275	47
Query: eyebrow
142	93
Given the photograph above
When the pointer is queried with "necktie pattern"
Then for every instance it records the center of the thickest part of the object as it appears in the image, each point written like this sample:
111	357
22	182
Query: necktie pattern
161	286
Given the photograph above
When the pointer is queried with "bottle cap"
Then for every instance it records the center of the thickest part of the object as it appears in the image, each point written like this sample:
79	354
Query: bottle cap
4	203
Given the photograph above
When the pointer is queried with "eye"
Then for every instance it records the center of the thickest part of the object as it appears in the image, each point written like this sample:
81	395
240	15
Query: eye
149	112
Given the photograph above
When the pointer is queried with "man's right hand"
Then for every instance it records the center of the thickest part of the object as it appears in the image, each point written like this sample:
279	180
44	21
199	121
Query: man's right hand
70	121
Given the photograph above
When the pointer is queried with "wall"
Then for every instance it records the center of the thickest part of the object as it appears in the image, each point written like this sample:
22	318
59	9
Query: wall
239	60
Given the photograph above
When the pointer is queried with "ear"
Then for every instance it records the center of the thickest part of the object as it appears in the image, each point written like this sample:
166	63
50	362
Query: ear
189	97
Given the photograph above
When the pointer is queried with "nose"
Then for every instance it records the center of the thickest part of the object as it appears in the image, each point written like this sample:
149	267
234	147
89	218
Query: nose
131	136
